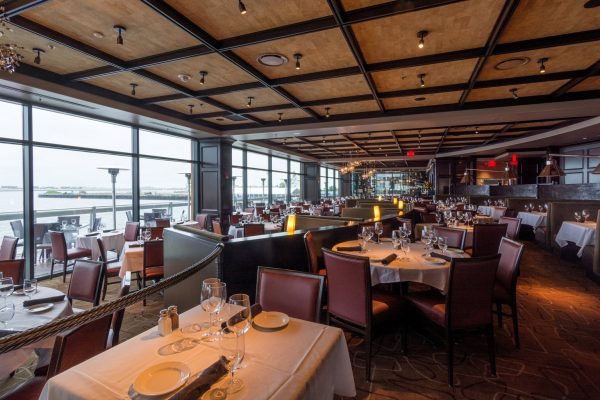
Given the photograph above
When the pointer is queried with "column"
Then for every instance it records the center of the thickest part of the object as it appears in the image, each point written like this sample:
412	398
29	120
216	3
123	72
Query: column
214	183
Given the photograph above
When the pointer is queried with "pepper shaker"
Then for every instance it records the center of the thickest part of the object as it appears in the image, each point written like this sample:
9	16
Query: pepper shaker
174	317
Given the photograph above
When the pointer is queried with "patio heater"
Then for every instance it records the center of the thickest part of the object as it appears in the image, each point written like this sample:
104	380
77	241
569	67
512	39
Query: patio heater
113	172
188	176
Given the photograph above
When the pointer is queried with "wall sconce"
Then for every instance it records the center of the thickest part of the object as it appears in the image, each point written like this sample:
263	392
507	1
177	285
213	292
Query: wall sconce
395	200
376	213
291	224
379	198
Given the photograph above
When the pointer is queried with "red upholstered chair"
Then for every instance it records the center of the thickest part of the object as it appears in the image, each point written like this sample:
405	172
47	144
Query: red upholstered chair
86	281
202	220
117	318
486	239
505	288
153	262
234	219
254	229
216	227
274	210
249	210
455	237
60	254
156	232
298	294
163	222
8	248
260	210
131	231
513	226
466	308
352	303
428	218
14	269
111	267
265	217
312	253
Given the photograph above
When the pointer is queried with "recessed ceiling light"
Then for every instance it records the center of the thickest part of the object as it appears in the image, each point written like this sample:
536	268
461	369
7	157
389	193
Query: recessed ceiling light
420	98
272	59
51	46
98	35
184	77
511	63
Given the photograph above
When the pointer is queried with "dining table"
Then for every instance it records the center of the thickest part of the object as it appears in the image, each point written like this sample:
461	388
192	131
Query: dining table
237	231
25	319
302	360
412	267
533	218
113	240
580	233
131	258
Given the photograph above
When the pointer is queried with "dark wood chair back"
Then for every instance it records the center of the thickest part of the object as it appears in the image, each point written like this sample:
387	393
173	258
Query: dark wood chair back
117	319
8	248
234	219
428	218
156	232
508	268
216	227
153	253
254	229
86	281
59	246
17	228
14	269
131	231
162	222
312	253
486	238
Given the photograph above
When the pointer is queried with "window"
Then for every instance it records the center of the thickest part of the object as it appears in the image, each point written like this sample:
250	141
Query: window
11	192
258	186
237	157
279	186
238	188
295	181
12	127
158	144
256	160
279	164
323	182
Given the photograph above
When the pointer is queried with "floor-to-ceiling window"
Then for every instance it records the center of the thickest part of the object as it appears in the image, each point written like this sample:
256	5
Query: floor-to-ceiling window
257	189
330	182
295	181
279	179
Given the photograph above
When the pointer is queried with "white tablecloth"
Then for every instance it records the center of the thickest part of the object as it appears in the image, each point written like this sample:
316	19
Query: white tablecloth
492	211
534	218
25	320
302	361
580	233
112	241
468	239
238	231
417	269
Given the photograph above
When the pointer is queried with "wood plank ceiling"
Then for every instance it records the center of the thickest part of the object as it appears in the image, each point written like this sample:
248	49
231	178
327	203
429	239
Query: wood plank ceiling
198	61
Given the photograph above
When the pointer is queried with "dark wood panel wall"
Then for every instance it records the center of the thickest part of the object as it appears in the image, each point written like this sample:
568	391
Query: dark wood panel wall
579	170
214	178
310	185
586	191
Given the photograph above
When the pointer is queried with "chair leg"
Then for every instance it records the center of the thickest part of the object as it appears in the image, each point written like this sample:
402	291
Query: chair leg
491	348
499	313
143	286
405	338
450	350
51	268
105	287
515	319
368	369
65	263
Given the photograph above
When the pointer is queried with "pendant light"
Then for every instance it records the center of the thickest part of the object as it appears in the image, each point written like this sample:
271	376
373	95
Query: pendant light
119	29
421	35
133	86
203	77
421	80
242	7
280	114
327	112
551	169
513	91
466	178
249	104
541	61
38	58
191	107
298	57
509	174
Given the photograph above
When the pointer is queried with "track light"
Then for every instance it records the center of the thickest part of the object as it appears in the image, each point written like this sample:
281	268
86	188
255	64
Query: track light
541	61
280	119
298	57
327	112
133	86
513	91
323	139
119	29
191	107
477	130
249	104
38	58
202	76
421	35
242	7
421	79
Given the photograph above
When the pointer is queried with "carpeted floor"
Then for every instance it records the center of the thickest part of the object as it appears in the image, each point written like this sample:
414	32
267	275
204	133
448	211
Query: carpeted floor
559	356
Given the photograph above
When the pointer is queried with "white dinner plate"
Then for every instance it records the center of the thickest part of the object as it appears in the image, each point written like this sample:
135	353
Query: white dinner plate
434	260
39	307
271	320
161	379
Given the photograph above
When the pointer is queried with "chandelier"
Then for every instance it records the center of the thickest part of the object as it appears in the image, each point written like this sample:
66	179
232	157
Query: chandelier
9	54
350	167
368	173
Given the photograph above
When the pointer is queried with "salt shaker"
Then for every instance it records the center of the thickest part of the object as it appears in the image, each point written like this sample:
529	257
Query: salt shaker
164	323
174	317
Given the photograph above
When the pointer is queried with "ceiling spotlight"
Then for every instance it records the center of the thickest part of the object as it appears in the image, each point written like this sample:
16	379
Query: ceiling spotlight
184	78
421	35
202	76
51	46
421	80
513	91
279	120
38	58
133	86
191	107
249	104
284	140
541	61
242	7
477	130
119	29
298	56
327	112
323	139
98	35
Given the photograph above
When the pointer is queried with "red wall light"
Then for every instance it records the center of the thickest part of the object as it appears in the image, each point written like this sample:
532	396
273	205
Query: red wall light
492	163
513	160
410	153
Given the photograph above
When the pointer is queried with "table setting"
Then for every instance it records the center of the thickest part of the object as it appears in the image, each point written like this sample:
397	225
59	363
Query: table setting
581	231
112	239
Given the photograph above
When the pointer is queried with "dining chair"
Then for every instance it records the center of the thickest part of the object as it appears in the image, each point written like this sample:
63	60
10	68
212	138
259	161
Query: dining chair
428	218
260	210
486	239
40	240
129	215
265	217
249	210
505	287
8	248
254	229
513	226
353	303
202	220
17	228
466	308
163	222
297	294
62	255
70	348
274	210
86	282
455	237
111	267
498	212
216	227
117	318
131	231
14	269
234	219
156	232
312	253
153	263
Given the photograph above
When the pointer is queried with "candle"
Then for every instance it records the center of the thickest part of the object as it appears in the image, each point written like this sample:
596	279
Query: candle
291	223
376	213
395	200
379	198
401	205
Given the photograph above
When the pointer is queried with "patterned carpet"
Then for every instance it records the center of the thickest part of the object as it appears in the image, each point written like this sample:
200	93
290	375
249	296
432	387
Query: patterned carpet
559	356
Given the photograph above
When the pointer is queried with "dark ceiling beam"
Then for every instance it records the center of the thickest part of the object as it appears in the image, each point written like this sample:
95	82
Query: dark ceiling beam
442	140
231	110
495	135
16	7
392	8
507	11
548	41
338	13
355	144
591	71
318	146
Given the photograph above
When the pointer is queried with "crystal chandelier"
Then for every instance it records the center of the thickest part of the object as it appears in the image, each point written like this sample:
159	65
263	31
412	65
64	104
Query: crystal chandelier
9	55
350	167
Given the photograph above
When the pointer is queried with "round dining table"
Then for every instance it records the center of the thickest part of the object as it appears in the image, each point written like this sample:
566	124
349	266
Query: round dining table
114	240
23	320
412	267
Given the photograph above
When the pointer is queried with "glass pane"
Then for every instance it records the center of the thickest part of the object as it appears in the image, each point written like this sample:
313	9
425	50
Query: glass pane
12	120
11	193
279	164
329	173
256	160
237	157
323	171
323	186
295	167
60	128
258	186
295	187
158	144
163	189
238	188
279	186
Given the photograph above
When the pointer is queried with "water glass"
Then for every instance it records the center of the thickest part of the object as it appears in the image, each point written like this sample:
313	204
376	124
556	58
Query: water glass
7	312
212	299
378	230
7	287
577	216
233	348
30	287
405	247
585	214
443	244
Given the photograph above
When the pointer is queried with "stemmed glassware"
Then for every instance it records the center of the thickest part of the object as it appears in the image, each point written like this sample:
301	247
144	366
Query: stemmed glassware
7	312
212	300
232	338
438	218
405	247
577	217
378	230
585	214
442	244
7	287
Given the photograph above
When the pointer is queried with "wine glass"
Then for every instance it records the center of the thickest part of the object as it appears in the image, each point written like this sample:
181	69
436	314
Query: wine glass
233	349
6	287
585	214
212	299
443	244
240	321
378	230
438	218
577	216
29	286
7	312
397	236
405	247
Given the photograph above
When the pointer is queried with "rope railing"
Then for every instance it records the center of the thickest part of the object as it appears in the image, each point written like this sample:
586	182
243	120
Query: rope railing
30	336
